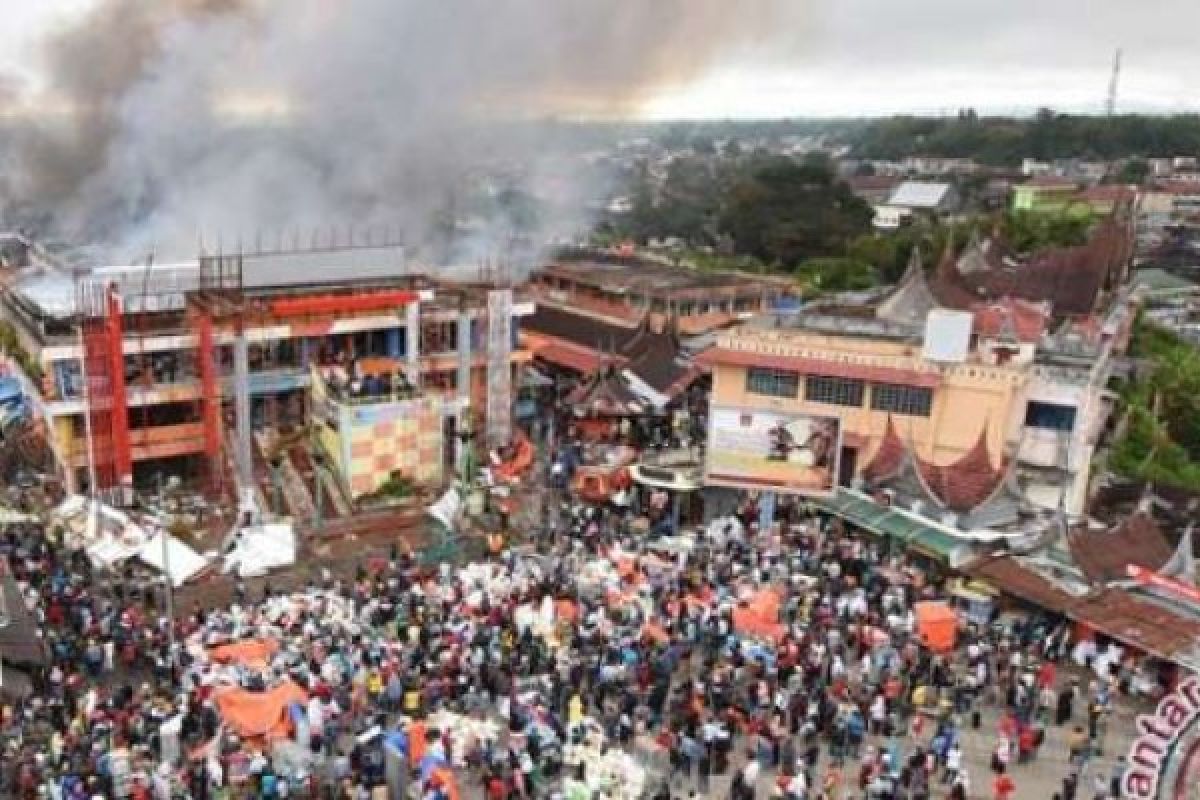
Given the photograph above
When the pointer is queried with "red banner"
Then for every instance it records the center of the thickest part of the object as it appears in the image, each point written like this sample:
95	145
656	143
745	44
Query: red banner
1147	577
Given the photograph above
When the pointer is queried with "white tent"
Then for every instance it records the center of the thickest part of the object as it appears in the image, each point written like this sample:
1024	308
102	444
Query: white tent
174	558
447	509
256	549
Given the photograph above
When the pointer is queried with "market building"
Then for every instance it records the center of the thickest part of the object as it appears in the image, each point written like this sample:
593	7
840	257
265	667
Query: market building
645	318
193	369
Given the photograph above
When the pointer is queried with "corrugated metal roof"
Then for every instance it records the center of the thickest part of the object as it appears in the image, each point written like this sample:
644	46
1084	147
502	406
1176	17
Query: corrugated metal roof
51	292
346	265
1009	575
919	194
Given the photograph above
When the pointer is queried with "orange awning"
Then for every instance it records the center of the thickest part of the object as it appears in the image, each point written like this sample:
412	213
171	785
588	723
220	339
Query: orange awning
937	625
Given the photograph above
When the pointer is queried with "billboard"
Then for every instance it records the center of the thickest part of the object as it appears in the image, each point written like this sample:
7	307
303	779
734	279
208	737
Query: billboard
773	451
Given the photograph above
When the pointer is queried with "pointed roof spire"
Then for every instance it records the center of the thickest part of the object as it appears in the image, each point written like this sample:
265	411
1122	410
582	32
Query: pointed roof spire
912	299
946	264
916	267
967	482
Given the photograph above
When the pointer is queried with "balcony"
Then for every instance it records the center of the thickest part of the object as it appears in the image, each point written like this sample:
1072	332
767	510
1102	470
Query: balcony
1043	447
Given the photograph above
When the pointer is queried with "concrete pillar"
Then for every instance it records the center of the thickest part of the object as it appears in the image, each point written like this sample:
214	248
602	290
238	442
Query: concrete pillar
464	356
412	342
463	392
241	399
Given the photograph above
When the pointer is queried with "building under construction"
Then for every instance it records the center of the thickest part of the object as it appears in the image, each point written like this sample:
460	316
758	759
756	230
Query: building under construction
233	367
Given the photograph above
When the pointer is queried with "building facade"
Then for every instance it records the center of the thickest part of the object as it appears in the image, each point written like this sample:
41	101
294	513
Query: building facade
138	369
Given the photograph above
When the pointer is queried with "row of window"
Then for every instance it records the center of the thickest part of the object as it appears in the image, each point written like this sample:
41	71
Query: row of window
916	401
913	401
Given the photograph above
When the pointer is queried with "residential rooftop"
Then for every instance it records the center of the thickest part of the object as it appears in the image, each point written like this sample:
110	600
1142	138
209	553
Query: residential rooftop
637	276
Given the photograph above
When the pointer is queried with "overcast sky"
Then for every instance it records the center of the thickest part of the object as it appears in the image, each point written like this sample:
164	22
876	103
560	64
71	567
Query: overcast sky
844	57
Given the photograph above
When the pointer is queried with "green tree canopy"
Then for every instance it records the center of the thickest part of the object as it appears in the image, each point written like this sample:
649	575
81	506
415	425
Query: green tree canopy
784	212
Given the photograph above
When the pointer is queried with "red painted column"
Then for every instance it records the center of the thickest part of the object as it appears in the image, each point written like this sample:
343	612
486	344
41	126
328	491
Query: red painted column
210	390
122	449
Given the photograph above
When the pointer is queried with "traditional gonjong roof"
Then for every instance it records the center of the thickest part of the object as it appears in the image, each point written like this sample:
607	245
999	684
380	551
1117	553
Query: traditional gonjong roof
606	393
912	299
1070	278
983	495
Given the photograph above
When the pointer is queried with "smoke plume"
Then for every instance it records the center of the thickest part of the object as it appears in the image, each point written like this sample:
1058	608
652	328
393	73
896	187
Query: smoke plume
189	120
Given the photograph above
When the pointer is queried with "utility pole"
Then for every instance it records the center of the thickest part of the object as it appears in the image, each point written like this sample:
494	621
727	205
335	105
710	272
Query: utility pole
1110	105
166	558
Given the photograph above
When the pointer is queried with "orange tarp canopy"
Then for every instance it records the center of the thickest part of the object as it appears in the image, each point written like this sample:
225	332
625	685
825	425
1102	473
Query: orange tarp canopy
759	616
249	652
937	625
519	464
259	714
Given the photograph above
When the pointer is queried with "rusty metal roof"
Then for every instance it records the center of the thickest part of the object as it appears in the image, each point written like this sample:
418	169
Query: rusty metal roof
1103	557
1006	573
1143	624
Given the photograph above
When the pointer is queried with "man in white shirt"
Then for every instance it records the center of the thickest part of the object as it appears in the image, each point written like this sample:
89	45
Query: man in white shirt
749	776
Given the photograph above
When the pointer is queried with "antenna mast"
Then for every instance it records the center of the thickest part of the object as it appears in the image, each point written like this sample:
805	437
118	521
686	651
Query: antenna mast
1110	106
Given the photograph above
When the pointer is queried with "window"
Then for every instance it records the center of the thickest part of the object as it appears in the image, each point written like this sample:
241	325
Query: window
913	401
773	382
833	391
1050	416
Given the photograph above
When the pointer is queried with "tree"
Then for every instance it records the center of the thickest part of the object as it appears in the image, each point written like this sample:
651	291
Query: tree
1161	439
1133	171
1027	231
784	212
837	274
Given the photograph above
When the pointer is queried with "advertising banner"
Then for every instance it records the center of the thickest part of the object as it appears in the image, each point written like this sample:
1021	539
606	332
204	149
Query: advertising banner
773	451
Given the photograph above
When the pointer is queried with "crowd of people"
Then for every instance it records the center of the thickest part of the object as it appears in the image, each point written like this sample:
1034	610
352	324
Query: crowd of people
730	662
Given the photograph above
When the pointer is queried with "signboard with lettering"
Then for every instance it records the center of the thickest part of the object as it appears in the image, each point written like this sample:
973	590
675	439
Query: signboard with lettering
768	450
1164	760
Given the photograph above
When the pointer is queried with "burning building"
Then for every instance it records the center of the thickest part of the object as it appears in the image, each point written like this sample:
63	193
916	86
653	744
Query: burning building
193	369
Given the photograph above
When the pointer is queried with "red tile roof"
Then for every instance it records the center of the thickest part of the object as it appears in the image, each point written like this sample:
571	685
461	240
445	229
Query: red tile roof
819	366
967	482
868	182
889	456
1179	187
606	393
575	357
1051	182
1110	193
1070	278
1103	557
1011	316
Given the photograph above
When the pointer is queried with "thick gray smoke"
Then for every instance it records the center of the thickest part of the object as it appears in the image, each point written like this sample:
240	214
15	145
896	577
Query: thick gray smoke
266	119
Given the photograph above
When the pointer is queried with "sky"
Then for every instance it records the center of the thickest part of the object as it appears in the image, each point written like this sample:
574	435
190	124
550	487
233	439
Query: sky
864	57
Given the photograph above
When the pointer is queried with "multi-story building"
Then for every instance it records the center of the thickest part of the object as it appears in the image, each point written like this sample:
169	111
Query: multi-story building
962	402
148	370
643	317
